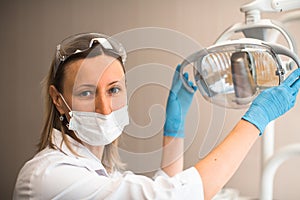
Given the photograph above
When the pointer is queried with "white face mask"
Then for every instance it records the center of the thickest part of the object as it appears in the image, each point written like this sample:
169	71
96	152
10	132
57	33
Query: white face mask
96	129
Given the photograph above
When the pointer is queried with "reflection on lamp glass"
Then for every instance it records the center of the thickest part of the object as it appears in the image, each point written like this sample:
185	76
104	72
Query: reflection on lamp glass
232	74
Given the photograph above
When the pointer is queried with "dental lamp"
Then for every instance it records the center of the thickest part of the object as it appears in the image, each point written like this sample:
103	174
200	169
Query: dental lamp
231	73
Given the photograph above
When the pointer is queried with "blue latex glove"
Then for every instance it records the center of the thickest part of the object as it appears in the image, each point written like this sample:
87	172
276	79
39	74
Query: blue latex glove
273	102
178	103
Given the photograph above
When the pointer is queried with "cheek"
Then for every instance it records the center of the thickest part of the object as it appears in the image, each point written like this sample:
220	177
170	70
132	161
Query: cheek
83	105
119	101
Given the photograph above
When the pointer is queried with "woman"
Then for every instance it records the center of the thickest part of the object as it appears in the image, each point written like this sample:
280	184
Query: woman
86	111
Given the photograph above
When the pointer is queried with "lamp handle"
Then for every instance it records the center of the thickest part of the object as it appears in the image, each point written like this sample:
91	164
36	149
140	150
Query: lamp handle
195	57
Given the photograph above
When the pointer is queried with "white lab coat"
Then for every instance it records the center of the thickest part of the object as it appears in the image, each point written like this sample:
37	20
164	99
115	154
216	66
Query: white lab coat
59	174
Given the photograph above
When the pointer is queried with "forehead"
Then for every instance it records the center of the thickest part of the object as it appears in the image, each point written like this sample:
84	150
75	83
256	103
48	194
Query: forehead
92	70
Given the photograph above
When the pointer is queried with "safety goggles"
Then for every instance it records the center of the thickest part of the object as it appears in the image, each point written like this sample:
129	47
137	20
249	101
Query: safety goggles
81	43
231	74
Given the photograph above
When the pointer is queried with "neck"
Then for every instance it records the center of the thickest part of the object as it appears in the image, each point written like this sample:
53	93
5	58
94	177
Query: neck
96	150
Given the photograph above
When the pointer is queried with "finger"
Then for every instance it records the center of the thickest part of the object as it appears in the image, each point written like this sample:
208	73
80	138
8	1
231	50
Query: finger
191	84
296	84
178	68
194	88
186	76
176	83
293	101
290	80
176	74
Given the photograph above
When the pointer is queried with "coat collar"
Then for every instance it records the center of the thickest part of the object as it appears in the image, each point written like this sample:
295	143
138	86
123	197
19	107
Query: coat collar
84	154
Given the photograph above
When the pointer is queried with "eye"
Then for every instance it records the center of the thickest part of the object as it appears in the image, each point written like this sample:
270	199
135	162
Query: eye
86	93
114	90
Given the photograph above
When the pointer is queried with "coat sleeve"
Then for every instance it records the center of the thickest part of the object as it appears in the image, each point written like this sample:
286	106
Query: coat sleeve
185	185
67	181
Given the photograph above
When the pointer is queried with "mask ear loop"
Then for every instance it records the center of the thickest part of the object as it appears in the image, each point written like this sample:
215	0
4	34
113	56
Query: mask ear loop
70	113
65	102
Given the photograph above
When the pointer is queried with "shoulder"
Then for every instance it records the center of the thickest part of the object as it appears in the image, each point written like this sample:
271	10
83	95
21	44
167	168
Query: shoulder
42	161
47	171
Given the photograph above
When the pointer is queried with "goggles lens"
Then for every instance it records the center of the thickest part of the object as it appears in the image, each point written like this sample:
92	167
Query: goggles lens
83	42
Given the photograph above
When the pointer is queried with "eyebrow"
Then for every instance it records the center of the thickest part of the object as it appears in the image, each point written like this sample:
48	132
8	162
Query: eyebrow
86	85
113	83
94	86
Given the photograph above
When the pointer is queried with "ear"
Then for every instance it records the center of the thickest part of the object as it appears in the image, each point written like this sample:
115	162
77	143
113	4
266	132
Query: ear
56	99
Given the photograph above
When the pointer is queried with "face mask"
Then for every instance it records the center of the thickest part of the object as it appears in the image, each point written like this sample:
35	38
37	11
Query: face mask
96	129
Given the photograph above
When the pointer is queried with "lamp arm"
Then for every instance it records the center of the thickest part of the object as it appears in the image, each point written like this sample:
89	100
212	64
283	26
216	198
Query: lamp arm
271	5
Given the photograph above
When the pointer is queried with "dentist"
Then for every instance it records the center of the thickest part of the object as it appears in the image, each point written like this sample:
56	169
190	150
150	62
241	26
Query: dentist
86	112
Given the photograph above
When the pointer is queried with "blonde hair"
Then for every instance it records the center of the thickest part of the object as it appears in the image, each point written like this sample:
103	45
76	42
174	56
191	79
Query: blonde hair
110	159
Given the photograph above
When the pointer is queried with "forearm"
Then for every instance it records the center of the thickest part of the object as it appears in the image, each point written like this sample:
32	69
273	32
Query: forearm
178	103
219	166
172	157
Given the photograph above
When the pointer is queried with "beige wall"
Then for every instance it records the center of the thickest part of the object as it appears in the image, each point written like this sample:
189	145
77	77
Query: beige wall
31	29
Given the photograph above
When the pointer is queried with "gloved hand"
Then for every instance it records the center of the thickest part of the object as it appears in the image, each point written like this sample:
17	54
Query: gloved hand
178	103
273	102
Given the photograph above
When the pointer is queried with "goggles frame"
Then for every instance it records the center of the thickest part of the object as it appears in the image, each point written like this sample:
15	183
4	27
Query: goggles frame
87	41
